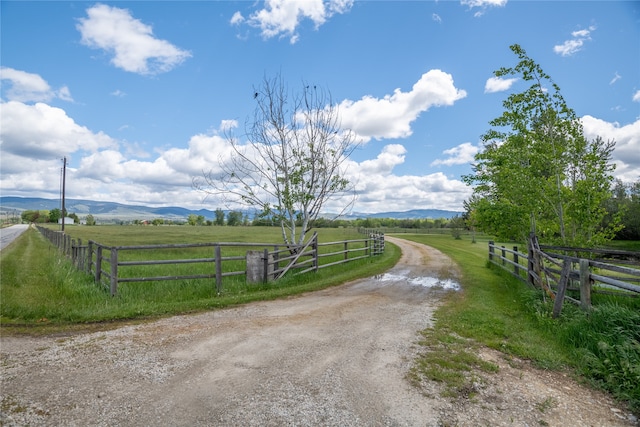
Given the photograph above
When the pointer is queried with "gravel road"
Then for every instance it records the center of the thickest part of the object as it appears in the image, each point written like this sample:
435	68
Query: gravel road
337	357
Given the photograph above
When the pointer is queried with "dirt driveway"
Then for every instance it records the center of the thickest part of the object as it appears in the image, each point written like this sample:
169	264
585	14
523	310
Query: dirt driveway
337	357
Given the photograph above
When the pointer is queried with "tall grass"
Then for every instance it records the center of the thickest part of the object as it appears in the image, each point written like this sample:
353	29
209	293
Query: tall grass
499	311
39	286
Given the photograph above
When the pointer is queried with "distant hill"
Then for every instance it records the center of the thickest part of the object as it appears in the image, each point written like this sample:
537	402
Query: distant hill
102	210
120	211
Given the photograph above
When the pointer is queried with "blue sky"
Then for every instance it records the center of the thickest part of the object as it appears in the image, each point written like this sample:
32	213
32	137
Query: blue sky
136	94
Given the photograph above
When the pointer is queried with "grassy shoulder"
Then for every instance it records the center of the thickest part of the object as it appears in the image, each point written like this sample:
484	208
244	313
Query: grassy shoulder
41	292
496	310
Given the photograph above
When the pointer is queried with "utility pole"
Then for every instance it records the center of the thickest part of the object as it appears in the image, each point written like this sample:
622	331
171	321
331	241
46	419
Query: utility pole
64	177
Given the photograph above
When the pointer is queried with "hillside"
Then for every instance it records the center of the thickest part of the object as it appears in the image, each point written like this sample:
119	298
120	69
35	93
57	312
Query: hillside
119	211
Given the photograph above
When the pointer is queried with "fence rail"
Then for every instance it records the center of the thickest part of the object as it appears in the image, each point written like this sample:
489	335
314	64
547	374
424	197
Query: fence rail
259	262
586	272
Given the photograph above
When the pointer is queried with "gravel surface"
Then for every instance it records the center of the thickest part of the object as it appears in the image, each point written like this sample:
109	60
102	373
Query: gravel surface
337	357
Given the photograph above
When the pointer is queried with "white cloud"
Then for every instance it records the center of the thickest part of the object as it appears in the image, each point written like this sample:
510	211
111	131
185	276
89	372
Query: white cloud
615	78
131	42
483	5
43	132
460	155
29	87
636	96
392	115
436	18
626	154
571	46
237	19
497	84
283	17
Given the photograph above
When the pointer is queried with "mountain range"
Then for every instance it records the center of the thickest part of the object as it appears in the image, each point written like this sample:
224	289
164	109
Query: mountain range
119	211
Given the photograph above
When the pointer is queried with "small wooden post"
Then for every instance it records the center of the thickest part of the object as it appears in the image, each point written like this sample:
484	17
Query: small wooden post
314	246
585	284
89	256
562	288
98	271
218	269
490	250
74	253
504	255
516	266
265	260
114	271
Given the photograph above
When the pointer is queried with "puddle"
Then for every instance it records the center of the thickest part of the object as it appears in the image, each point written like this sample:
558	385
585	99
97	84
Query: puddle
424	281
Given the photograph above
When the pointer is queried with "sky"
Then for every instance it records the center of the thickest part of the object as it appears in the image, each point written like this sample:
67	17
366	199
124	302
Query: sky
137	95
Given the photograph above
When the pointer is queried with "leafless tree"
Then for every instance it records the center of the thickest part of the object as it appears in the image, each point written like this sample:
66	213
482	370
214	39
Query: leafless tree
292	164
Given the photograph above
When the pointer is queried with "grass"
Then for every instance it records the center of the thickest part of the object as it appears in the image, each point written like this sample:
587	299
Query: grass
496	310
40	289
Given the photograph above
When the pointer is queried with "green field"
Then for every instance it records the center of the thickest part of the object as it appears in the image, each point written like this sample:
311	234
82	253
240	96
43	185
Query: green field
40	287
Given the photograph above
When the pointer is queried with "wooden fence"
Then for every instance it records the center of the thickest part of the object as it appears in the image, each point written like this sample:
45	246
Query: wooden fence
259	262
557	269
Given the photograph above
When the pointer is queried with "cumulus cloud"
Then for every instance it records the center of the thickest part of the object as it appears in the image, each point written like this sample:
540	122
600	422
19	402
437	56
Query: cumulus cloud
460	155
498	84
131	42
636	96
574	44
28	87
281	18
391	116
483	5
626	154
43	132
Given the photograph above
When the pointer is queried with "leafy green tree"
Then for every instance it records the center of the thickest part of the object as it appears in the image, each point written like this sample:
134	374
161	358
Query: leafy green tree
30	215
292	164
54	215
537	171
234	218
219	217
90	220
625	207
192	219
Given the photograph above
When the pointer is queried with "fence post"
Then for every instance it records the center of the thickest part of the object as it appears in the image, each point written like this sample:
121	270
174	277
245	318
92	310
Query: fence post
81	255
89	256
367	251
585	285
516	267
218	269
490	250
114	271
314	246
504	255
346	250
533	266
74	253
265	257
562	288
98	271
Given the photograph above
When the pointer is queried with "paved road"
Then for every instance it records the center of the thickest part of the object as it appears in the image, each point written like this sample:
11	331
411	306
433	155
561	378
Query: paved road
9	234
